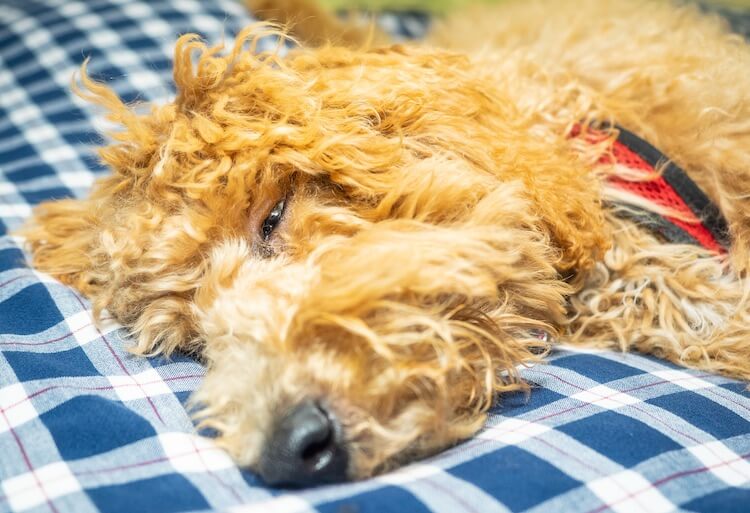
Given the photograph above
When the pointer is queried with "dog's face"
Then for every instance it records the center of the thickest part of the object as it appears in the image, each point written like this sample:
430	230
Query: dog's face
346	238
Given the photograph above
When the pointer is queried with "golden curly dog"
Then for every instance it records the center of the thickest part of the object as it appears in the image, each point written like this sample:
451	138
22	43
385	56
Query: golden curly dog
364	245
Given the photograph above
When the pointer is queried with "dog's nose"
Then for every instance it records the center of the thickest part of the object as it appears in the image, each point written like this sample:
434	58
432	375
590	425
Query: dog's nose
304	449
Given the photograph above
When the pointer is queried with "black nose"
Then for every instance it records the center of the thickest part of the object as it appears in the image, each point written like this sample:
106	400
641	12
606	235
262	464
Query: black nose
304	449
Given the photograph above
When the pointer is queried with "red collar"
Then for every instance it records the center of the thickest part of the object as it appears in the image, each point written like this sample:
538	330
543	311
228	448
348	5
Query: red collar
697	220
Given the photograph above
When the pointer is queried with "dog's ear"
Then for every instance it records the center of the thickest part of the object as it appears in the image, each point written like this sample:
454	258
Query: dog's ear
68	238
62	236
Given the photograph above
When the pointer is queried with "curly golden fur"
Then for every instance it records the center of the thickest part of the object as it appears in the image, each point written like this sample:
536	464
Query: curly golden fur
437	217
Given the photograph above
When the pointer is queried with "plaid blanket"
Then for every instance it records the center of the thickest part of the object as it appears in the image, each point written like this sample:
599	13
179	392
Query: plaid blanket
87	427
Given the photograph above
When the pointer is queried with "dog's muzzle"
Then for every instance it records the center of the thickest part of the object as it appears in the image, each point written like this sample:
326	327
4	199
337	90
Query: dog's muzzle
304	449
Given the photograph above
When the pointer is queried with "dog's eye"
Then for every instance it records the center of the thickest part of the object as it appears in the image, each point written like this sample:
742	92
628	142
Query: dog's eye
270	223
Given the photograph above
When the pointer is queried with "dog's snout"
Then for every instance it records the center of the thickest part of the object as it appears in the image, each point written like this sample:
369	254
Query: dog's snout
304	449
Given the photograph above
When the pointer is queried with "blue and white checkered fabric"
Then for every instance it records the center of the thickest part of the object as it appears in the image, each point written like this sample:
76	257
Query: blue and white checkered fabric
87	427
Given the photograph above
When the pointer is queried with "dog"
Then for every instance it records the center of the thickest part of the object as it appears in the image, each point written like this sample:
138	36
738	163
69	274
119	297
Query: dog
366	244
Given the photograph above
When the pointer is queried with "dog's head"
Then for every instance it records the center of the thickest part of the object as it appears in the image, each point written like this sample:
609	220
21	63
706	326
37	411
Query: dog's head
359	244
